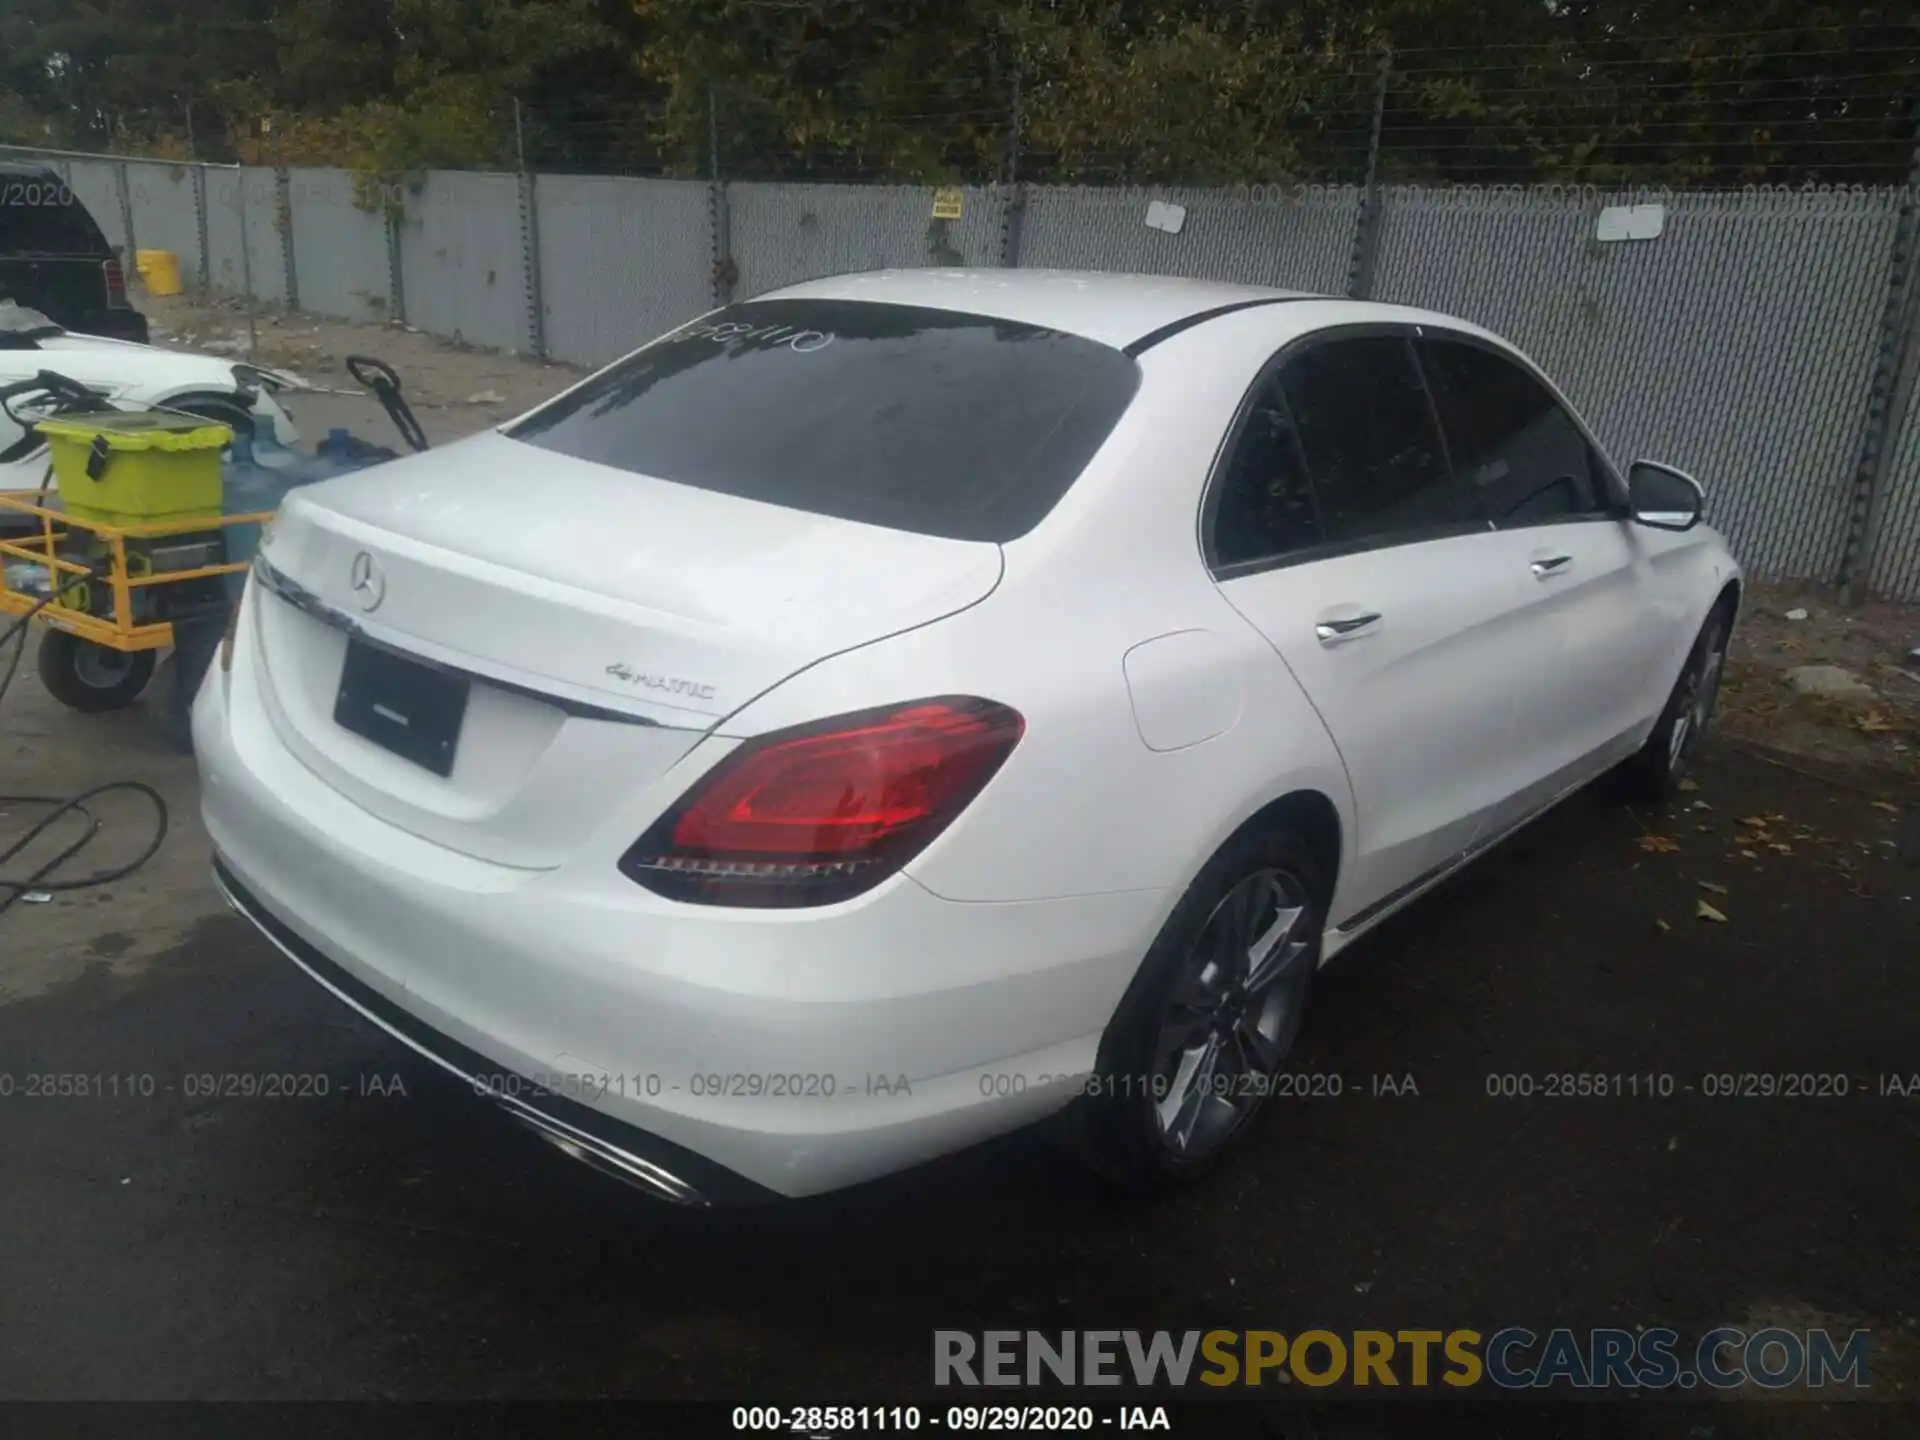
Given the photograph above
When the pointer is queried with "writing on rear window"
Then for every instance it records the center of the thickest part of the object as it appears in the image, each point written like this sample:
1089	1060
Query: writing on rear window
935	422
723	332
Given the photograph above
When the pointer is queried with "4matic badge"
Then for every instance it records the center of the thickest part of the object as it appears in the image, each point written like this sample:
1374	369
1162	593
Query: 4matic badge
665	684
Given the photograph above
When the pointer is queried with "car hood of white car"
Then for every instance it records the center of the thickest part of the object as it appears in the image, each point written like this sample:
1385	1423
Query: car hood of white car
129	368
131	374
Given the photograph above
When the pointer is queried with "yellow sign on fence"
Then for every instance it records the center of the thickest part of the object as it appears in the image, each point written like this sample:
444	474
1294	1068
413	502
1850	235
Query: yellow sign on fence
947	204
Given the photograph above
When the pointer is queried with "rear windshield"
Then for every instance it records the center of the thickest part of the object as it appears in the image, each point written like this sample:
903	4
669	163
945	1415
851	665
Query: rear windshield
922	420
40	216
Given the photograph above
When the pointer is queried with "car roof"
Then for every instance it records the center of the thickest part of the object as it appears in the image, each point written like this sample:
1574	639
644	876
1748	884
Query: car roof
1114	309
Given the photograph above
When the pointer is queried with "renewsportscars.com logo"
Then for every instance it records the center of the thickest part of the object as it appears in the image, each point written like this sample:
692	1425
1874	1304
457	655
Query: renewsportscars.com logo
1514	1358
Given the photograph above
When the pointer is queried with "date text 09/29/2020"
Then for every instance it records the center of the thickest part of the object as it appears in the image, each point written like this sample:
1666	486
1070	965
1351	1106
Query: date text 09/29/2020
825	1085
1582	1086
956	1419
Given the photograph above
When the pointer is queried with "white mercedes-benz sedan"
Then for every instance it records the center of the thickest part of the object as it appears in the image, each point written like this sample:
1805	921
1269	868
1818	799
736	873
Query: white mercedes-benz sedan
909	705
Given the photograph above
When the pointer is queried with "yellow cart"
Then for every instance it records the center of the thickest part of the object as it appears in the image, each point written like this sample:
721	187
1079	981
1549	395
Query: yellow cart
106	628
136	554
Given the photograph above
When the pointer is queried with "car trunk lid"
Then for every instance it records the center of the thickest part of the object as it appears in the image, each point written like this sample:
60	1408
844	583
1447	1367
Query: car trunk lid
601	622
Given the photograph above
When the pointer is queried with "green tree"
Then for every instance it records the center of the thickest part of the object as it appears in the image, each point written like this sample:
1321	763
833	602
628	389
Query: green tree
1606	91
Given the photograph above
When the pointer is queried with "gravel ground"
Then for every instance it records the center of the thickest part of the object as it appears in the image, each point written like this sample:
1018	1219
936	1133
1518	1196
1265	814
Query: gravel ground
1872	641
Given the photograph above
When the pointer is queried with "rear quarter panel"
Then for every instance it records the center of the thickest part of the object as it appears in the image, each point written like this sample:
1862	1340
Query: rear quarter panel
1085	805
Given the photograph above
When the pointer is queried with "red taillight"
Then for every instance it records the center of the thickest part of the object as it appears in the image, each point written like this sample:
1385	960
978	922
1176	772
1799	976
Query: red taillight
819	813
116	282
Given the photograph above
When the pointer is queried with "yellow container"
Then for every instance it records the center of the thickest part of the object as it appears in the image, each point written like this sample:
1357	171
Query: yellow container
137	466
159	269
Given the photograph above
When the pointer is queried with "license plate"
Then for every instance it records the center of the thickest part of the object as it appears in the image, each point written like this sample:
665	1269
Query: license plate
407	706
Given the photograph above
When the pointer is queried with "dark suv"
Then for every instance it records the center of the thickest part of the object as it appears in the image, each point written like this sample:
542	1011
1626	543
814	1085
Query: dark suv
54	259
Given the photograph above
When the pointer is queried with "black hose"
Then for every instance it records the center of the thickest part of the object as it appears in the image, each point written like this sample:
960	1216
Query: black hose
378	377
11	889
37	879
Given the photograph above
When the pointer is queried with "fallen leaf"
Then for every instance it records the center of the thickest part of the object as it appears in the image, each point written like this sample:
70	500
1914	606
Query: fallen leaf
1658	844
1704	829
1874	723
1781	849
1707	912
1716	889
1751	855
1755	822
1886	805
1662	926
1673	1142
1689	785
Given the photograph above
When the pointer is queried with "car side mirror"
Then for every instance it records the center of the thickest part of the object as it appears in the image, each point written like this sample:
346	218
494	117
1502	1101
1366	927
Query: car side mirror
1663	498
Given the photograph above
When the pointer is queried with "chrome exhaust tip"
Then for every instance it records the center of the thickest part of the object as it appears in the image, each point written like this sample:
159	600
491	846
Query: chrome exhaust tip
607	1159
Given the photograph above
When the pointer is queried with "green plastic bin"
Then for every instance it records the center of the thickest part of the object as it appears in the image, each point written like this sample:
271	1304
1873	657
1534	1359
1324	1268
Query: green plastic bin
138	466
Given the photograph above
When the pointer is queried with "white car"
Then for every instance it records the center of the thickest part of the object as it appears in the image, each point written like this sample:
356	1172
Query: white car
132	377
930	701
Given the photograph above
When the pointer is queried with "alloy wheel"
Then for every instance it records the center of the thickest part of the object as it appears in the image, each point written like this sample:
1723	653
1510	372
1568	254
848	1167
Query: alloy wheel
1234	1012
1698	689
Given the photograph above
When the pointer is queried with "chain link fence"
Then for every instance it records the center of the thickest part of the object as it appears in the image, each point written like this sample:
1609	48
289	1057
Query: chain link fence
1748	340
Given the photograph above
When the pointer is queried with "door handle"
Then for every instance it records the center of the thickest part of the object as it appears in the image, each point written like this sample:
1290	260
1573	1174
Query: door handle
1351	627
1548	566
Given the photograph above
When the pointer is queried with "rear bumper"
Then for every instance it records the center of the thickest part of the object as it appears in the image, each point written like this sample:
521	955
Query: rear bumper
737	1052
644	1161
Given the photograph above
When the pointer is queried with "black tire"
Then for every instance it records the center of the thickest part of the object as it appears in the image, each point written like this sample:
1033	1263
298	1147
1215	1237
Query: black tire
1654	772
1121	1126
92	678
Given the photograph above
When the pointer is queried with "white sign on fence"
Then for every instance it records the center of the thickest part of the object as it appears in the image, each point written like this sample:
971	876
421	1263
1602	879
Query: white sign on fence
1631	222
1164	215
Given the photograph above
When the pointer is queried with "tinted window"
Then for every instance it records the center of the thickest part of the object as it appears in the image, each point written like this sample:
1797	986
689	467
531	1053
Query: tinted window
1371	446
1511	441
1265	507
39	216
921	420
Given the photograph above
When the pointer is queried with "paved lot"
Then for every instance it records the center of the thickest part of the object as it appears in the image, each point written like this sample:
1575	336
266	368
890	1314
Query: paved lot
368	1245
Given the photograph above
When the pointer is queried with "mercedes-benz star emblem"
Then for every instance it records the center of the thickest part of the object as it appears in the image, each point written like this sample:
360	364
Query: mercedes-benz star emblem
368	584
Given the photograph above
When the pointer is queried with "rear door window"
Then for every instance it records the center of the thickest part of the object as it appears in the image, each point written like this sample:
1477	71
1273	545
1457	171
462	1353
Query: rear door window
40	216
1375	456
1265	509
922	420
